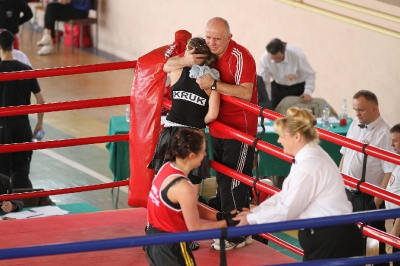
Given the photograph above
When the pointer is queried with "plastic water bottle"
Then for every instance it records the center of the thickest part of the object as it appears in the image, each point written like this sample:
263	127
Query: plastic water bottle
39	136
128	114
325	117
343	114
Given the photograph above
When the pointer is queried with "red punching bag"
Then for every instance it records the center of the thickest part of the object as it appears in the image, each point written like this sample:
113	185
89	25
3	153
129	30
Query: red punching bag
145	110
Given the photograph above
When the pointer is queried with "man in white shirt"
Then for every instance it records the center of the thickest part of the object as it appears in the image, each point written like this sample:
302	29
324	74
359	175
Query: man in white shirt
21	56
370	128
290	70
394	185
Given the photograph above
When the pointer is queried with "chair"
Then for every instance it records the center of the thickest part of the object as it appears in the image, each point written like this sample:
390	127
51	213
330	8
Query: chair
316	105
34	24
83	22
263	99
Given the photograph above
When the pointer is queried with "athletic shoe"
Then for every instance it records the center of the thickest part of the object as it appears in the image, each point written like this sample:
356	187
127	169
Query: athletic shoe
249	240
228	245
194	245
46	40
216	241
45	50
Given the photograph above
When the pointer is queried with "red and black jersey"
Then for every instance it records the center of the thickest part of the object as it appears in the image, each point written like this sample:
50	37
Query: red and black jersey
161	212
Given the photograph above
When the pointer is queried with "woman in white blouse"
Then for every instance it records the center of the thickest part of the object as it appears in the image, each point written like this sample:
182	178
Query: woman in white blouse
314	188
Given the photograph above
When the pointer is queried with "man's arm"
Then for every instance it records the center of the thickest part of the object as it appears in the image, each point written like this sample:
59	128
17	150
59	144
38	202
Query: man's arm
39	124
385	181
341	164
242	91
264	73
213	107
188	60
175	63
396	228
309	75
27	13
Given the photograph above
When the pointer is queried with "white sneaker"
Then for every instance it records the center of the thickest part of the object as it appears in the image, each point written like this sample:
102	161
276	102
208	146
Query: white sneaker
228	245
46	40
45	50
249	240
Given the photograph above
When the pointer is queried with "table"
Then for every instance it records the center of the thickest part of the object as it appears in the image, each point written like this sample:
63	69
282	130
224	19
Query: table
268	164
80	207
72	208
119	151
272	166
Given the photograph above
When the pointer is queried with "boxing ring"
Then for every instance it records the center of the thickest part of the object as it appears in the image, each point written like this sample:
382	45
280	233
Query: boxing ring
146	102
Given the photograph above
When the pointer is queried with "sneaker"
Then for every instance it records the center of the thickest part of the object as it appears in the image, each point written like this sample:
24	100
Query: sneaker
45	50
228	245
249	240
46	40
216	241
194	245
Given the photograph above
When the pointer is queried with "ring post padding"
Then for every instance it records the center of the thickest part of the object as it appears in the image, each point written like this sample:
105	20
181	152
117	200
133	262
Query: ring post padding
145	115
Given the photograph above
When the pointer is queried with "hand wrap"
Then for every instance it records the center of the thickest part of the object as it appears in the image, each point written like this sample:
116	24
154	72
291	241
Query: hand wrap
227	216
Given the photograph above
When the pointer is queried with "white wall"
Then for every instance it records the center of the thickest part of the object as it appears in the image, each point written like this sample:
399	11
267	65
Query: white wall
347	58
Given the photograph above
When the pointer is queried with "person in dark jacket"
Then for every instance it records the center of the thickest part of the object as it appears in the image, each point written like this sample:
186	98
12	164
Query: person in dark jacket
6	188
10	16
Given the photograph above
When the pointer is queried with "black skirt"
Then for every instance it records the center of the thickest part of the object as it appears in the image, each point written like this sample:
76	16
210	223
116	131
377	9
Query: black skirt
196	175
331	242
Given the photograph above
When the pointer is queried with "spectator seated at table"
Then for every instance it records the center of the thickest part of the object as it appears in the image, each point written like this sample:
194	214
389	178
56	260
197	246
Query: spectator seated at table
316	105
6	188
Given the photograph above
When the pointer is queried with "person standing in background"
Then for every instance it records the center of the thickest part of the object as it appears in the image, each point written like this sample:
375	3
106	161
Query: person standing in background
22	57
370	128
10	16
16	129
290	70
394	186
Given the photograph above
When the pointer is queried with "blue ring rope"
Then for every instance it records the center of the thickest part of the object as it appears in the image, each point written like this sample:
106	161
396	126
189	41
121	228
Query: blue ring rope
96	245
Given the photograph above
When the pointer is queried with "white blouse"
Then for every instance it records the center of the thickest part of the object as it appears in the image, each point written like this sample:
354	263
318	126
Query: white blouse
314	188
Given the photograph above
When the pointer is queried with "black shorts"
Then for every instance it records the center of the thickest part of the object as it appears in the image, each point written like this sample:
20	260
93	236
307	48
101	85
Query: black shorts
196	175
168	254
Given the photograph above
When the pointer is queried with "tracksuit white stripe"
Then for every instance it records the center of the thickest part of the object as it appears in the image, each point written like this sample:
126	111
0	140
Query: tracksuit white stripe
239	65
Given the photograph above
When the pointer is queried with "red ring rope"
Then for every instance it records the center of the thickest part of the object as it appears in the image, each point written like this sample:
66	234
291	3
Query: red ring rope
70	70
63	190
324	134
27	146
63	106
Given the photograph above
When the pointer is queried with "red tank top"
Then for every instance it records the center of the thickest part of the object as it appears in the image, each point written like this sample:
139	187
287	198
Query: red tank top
161	214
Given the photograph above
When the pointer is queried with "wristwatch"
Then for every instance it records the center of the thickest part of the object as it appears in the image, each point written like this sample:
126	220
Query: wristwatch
214	86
